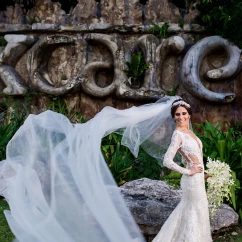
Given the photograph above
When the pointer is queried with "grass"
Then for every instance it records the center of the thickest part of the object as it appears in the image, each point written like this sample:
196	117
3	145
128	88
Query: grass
5	232
6	235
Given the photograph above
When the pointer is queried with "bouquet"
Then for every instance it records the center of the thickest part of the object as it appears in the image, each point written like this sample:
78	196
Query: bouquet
219	183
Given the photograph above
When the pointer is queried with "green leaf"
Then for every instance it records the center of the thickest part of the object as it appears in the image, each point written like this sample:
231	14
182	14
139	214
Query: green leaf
136	69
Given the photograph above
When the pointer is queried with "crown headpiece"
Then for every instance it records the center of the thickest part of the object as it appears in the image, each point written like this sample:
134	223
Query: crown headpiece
181	102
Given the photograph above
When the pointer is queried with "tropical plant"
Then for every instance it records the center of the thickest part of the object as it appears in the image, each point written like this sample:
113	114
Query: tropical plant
3	42
58	104
237	126
123	165
174	91
6	234
160	32
181	23
13	113
136	69
173	178
119	159
220	145
11	119
33	20
64	77
226	147
222	18
145	166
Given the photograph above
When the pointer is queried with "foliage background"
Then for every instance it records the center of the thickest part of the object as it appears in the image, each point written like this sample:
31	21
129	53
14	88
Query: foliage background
222	17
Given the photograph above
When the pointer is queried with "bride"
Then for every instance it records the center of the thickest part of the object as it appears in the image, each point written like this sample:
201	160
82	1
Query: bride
59	187
189	222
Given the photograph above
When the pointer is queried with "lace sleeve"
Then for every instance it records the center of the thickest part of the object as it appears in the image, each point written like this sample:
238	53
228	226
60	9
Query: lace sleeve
171	152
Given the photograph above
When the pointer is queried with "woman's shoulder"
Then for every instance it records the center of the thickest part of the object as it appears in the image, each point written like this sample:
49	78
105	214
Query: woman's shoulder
176	133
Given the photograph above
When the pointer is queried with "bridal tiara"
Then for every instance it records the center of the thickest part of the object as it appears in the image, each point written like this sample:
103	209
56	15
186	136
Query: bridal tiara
179	103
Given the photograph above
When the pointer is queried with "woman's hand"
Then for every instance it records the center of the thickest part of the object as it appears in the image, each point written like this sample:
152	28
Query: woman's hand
197	168
206	176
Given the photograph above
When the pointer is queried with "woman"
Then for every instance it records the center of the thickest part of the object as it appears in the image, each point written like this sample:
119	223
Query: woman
189	222
58	185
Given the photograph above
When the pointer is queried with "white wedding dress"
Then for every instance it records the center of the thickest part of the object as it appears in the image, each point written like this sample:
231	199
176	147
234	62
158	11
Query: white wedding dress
59	187
189	222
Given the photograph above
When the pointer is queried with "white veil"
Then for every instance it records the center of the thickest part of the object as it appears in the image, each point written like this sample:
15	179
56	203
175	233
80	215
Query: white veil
56	180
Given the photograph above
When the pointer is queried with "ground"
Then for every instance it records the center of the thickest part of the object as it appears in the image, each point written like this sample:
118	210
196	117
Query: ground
235	235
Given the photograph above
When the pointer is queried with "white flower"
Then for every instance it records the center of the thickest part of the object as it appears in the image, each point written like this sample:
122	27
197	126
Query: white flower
219	184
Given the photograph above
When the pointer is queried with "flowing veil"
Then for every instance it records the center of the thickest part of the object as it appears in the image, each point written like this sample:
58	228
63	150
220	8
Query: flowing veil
56	180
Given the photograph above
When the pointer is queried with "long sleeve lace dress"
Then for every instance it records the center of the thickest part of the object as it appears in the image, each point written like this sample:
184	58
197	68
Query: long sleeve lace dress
189	222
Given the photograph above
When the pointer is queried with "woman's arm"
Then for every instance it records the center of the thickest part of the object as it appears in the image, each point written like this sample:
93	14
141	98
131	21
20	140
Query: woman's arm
171	152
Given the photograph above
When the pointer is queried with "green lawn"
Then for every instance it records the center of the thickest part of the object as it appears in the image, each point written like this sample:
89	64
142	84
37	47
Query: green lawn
7	236
5	233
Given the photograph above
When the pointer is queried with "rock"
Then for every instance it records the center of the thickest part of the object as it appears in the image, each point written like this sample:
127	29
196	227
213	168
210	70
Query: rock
9	56
11	28
20	38
47	12
44	26
14	14
151	202
225	217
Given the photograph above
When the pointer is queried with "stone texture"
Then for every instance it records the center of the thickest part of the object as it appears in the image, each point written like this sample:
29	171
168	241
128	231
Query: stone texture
90	11
46	12
17	45
66	63
190	71
45	27
151	202
37	64
92	27
84	12
127	21
224	218
14	28
15	14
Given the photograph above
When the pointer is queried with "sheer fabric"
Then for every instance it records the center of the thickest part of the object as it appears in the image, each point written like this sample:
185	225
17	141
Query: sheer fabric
56	180
189	221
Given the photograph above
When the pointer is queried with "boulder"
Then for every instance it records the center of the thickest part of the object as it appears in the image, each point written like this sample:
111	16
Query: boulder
151	202
224	218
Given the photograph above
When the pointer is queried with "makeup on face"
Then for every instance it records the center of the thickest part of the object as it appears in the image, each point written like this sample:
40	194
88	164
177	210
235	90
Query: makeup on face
178	114
182	117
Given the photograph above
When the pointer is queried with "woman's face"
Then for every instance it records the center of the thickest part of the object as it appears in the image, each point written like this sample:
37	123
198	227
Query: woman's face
182	117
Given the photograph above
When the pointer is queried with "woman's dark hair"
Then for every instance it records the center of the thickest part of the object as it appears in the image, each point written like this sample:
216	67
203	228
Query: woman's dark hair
175	106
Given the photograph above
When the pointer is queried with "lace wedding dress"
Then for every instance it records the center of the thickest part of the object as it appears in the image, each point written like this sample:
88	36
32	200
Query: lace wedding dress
189	222
59	187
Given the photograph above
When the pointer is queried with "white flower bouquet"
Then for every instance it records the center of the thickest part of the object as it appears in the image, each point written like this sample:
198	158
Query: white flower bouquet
219	183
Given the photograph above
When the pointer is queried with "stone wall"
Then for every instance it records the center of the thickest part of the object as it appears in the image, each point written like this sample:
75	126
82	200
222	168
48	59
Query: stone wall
81	56
114	12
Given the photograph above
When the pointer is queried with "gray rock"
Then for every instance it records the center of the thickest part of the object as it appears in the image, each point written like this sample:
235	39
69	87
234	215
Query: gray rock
44	26
151	202
6	28
9	56
224	218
